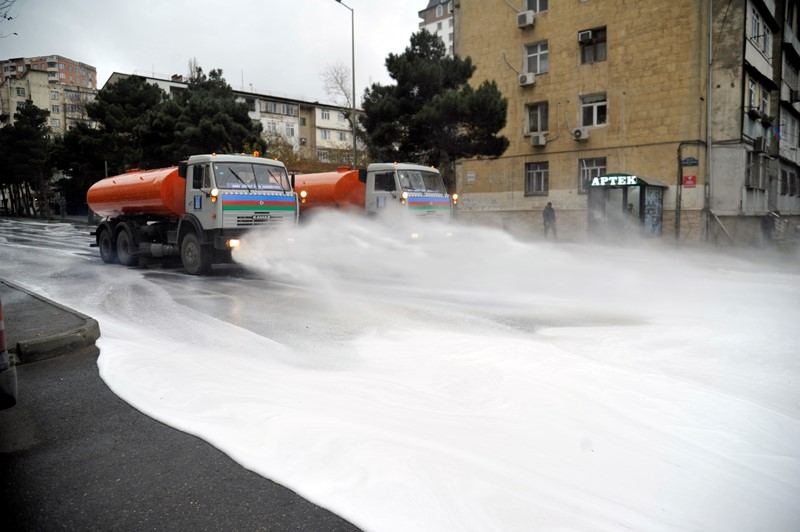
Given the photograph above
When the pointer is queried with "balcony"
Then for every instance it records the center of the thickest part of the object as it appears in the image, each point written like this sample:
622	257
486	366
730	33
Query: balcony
791	42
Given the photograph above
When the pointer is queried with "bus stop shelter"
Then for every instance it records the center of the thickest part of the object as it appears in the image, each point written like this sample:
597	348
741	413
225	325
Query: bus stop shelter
625	203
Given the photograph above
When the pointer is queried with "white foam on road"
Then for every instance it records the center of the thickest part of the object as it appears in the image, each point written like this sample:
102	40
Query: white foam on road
490	384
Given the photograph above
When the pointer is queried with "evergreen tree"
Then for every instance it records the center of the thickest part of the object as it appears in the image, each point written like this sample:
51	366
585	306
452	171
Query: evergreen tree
122	111
431	115
25	161
211	120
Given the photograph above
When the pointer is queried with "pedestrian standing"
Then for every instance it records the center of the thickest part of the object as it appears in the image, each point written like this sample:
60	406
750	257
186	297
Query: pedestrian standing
549	219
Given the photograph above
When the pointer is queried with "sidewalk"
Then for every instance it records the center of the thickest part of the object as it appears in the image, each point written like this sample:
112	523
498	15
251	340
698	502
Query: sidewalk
37	328
74	456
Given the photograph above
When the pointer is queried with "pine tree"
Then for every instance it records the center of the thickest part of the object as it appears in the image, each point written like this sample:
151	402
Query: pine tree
431	115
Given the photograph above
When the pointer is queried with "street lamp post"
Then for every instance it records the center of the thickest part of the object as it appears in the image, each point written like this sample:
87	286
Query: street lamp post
353	68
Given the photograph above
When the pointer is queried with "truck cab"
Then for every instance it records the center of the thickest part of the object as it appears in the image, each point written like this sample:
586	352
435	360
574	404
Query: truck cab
419	188
228	195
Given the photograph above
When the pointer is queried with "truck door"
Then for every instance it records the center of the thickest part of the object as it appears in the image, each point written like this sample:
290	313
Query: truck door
198	202
381	190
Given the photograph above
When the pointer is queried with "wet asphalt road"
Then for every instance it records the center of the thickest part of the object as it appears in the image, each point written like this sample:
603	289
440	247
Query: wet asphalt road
73	456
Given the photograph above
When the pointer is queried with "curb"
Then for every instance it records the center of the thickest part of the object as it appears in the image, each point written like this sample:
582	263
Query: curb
77	338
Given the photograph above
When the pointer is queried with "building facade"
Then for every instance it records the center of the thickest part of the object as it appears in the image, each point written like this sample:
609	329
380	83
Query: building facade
65	103
620	116
438	19
59	69
314	131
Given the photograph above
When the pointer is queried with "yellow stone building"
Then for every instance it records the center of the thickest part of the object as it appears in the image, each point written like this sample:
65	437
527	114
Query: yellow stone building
598	88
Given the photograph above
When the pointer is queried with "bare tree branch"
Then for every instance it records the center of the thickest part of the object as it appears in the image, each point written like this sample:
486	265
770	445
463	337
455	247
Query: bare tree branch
337	79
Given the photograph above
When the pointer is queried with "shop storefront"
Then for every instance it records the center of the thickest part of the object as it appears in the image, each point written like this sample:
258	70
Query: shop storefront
625	204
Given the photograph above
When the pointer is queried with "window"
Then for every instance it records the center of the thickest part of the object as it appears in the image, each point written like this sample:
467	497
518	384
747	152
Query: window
290	130
760	34
593	45
594	110
784	183
326	114
55	122
342	136
302	121
20	105
764	107
323	156
756	171
536	58
537	179
439	26
201	176
751	94
54	95
251	104
325	134
439	10
21	92
537	117
291	109
535	5
55	109
384	182
588	169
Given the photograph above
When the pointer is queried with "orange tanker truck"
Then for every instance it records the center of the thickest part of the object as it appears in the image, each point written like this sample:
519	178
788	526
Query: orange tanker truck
419	189
197	210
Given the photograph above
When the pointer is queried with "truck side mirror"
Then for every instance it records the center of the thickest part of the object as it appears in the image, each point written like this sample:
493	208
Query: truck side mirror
291	178
182	166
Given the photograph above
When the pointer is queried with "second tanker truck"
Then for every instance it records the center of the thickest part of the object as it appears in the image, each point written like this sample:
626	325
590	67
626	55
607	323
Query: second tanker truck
418	188
197	210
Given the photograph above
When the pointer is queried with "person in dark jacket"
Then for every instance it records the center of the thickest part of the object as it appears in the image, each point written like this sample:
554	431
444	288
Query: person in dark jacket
549	219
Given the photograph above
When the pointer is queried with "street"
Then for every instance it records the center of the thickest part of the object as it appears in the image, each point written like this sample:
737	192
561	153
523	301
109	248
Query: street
461	380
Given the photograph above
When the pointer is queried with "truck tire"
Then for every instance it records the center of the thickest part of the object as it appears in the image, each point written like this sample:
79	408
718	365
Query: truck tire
195	257
108	248
126	248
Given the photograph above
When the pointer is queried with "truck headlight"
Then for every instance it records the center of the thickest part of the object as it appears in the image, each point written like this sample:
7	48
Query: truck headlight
404	198
455	199
233	243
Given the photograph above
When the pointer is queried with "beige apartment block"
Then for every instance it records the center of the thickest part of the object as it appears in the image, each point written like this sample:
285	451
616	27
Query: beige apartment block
622	107
604	87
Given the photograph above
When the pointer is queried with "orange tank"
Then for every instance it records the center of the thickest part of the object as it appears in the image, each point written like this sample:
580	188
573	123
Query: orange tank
157	192
339	189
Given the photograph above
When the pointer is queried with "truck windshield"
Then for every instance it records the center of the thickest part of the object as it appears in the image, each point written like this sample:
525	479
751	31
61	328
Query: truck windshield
420	181
251	176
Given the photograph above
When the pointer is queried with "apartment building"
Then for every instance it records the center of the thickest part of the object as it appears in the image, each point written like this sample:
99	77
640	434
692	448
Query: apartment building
438	19
59	70
674	118
66	103
314	130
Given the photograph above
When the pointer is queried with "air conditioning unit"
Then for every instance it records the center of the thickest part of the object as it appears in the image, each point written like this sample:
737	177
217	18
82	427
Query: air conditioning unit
759	145
585	37
580	133
539	139
527	78
525	19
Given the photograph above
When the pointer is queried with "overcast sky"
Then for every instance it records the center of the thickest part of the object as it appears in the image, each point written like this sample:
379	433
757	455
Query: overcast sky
278	47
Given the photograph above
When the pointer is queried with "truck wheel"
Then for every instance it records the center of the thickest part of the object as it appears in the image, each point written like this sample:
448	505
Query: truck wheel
195	257
126	248
108	248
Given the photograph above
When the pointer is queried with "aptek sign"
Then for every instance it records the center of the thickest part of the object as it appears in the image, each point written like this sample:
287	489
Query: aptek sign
615	181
